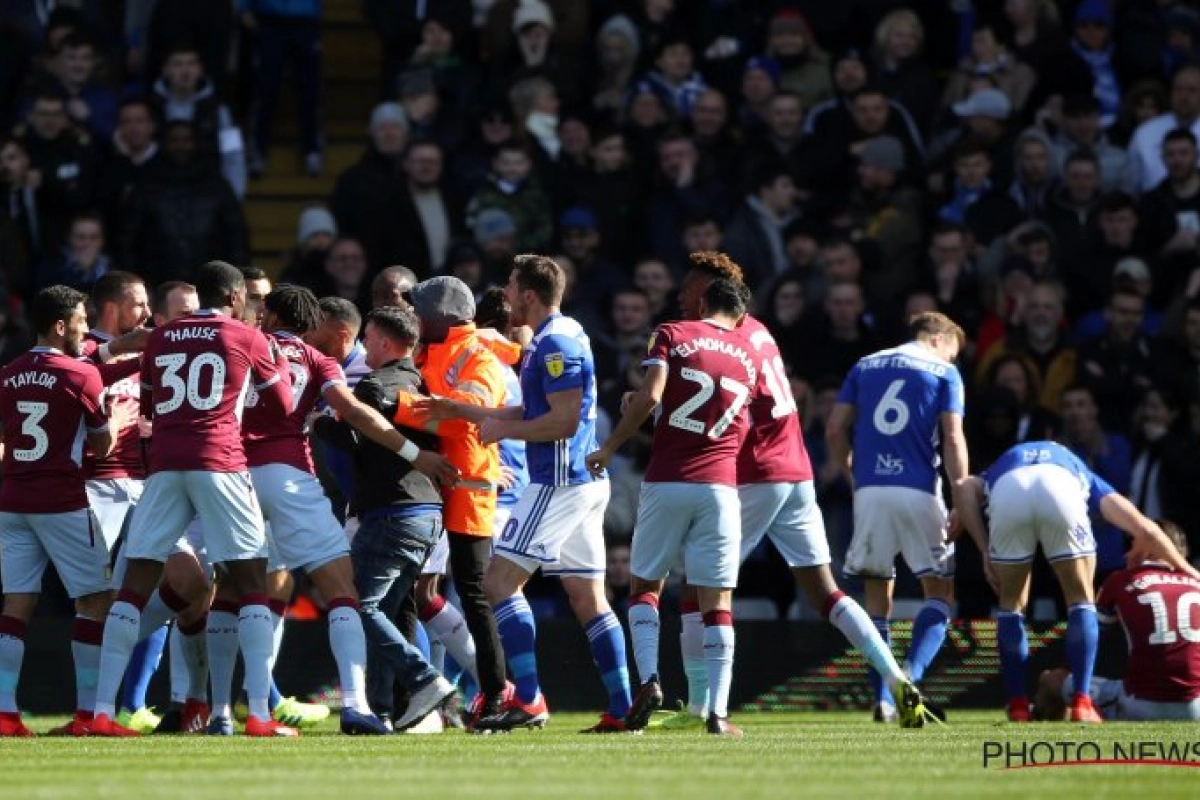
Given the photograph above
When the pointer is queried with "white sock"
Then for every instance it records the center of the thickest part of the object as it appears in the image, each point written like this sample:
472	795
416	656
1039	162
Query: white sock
12	653
120	637
189	657
450	629
437	654
691	645
86	636
644	627
155	614
718	659
256	638
349	646
276	637
222	643
180	675
856	625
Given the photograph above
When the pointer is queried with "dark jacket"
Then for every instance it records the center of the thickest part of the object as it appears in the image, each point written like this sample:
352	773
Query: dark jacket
180	217
382	478
364	204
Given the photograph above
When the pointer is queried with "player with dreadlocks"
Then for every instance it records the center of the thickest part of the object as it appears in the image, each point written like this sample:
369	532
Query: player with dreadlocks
303	529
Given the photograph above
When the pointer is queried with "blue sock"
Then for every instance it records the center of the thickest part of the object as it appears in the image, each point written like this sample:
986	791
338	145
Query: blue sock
142	666
1014	651
879	687
518	634
928	633
607	640
422	642
274	698
451	670
1083	635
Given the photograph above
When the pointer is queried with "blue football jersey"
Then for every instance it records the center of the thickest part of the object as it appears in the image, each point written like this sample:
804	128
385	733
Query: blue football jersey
559	359
899	396
1029	453
512	451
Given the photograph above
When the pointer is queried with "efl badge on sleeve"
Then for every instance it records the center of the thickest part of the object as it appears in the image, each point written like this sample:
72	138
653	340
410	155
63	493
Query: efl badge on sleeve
554	365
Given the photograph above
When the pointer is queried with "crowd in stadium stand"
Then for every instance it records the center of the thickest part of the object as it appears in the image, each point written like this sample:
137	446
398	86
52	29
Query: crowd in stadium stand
1028	167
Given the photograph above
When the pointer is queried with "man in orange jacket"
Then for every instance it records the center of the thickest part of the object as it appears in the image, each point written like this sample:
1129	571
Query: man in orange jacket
457	364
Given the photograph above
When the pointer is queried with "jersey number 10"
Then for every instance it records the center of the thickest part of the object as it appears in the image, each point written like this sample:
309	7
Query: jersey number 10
1164	631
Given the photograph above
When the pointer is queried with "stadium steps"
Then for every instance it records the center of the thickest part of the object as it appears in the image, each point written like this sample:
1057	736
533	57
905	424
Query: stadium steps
349	86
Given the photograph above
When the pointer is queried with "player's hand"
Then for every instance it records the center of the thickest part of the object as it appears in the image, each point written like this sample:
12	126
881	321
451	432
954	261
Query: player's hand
434	408
597	462
492	430
1155	546
435	467
132	342
121	416
508	478
626	399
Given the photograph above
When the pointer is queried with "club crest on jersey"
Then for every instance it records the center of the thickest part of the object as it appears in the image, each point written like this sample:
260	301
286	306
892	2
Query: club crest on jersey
555	365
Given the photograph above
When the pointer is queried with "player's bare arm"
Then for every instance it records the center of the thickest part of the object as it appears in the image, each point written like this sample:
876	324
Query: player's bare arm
443	408
954	452
1149	541
557	424
635	414
371	424
837	437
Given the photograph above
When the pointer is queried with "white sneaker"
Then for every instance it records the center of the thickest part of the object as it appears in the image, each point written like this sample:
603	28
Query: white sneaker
431	723
429	698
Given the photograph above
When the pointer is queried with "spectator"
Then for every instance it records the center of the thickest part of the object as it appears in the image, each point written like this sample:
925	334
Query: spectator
184	94
674	79
1036	174
783	138
465	263
754	236
182	215
134	148
391	285
14	336
1172	210
82	261
496	234
1038	42
685	189
345	270
64	159
205	26
24	215
471	164
873	115
1163	474
623	342
1180	362
512	188
1040	342
537	47
596	278
401	27
426	215
1106	454
984	117
90	104
284	33
975	200
804	66
702	233
953	279
783	312
1145	148
1119	236
899	68
440	54
612	189
304	264
1130	273
427	116
719	142
989	56
653	278
1118	366
760	80
366	193
1081	131
1071	211
14	64
617	48
617	574
886	212
844	335
1092	44
1014	374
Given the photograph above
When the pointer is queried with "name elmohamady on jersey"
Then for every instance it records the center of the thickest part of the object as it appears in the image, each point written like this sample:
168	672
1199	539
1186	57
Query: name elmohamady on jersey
774	450
48	404
195	374
899	396
1160	612
701	425
559	358
271	438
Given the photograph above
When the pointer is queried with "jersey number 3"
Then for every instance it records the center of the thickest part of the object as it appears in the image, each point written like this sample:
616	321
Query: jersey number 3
680	417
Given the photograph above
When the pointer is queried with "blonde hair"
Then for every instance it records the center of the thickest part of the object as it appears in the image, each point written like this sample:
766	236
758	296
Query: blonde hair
931	323
901	16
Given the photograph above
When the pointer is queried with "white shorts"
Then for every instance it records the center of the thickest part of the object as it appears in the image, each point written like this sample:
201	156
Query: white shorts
183	546
697	525
111	500
225	503
788	514
70	540
891	520
1108	695
303	528
559	529
1038	504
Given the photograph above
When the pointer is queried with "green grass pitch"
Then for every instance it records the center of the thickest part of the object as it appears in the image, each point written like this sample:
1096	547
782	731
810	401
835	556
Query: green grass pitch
811	755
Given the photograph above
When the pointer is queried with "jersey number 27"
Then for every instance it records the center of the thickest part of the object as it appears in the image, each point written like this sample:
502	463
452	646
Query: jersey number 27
681	417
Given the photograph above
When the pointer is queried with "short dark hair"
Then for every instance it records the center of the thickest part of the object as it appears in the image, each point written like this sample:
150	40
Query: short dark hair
342	310
971	146
111	286
1113	202
1083	155
726	296
182	46
493	310
75	40
215	281
158	301
697	218
512	146
945	228
1080	105
1180	134
542	276
253	274
1079	386
396	322
768	174
52	305
297	308
131	102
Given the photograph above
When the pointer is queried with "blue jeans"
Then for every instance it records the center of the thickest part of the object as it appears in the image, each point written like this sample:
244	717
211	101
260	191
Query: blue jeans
388	553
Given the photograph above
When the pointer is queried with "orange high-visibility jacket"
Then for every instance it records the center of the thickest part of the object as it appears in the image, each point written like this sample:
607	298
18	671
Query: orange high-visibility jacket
463	368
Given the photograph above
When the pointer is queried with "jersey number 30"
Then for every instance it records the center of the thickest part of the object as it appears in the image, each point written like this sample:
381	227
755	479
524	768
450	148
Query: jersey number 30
680	417
199	397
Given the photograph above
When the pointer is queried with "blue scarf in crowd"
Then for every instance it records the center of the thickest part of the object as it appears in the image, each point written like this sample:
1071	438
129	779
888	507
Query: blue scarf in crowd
956	210
1108	91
